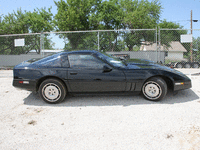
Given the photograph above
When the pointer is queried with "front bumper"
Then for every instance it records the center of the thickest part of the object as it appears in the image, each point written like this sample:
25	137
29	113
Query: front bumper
182	85
29	85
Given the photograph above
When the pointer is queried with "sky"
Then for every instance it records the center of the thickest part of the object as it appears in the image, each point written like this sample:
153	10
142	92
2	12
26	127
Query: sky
177	11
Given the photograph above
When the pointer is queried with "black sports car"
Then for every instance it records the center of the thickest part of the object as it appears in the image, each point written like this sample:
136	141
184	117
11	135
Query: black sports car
58	75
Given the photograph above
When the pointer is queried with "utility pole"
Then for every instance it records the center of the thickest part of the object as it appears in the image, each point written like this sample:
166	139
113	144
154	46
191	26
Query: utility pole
191	50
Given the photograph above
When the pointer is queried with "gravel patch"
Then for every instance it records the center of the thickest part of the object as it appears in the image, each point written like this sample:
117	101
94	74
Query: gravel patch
99	122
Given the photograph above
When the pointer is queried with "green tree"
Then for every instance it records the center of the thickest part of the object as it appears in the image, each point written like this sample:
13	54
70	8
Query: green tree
14	23
167	36
172	32
25	22
110	17
11	24
75	15
139	15
39	21
89	41
196	49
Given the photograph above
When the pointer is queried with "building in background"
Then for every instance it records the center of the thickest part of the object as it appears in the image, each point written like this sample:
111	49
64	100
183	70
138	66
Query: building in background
173	53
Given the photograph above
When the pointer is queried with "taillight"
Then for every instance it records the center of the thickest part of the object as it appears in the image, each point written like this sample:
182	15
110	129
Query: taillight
24	82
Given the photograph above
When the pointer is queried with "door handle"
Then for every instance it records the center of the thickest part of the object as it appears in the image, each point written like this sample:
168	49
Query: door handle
73	73
97	79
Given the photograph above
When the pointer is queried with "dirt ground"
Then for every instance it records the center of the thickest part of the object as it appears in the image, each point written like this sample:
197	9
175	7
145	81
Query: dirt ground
99	122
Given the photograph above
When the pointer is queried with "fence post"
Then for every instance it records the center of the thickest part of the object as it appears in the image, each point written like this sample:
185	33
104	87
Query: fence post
98	40
159	48
156	46
41	44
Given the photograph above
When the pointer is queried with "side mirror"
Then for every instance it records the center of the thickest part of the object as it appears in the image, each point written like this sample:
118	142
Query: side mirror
107	68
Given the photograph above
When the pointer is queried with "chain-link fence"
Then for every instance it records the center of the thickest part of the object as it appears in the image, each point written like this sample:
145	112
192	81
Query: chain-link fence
106	40
165	46
181	46
19	43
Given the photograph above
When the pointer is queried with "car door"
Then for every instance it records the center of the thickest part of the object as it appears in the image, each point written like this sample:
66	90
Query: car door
86	74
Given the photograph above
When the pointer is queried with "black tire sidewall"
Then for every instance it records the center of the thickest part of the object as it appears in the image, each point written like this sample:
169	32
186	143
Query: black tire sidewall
59	84
161	83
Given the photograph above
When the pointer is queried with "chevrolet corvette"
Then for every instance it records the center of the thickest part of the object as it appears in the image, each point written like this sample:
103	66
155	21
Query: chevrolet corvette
56	76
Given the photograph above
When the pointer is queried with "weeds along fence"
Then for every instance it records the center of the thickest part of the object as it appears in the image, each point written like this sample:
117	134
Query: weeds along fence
160	45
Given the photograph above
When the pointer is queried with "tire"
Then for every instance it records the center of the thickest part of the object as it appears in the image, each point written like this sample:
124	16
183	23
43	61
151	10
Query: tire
179	65
195	65
154	89
187	65
52	91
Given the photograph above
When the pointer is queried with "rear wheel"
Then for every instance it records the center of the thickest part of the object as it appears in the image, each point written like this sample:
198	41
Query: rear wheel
52	91
154	89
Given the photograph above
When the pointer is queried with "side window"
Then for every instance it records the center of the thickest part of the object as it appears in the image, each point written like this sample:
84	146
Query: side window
64	61
53	62
85	61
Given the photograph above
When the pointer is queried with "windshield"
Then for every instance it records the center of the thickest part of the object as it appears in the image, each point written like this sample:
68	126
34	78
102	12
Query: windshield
111	60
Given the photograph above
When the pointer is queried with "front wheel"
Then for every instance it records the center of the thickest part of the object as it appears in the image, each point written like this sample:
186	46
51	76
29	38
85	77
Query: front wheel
52	91
154	89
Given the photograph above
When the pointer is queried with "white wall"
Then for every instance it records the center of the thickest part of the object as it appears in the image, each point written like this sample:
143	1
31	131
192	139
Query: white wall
150	55
175	56
12	60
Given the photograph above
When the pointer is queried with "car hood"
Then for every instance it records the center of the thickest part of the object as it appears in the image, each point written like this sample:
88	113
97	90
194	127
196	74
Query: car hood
142	63
145	64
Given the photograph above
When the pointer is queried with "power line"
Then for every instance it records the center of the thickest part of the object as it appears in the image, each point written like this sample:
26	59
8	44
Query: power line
185	20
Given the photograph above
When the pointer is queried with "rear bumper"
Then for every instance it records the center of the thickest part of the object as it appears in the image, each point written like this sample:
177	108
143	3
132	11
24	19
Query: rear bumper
29	85
182	85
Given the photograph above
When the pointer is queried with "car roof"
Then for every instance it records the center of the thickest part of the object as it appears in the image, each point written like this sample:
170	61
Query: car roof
79	52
